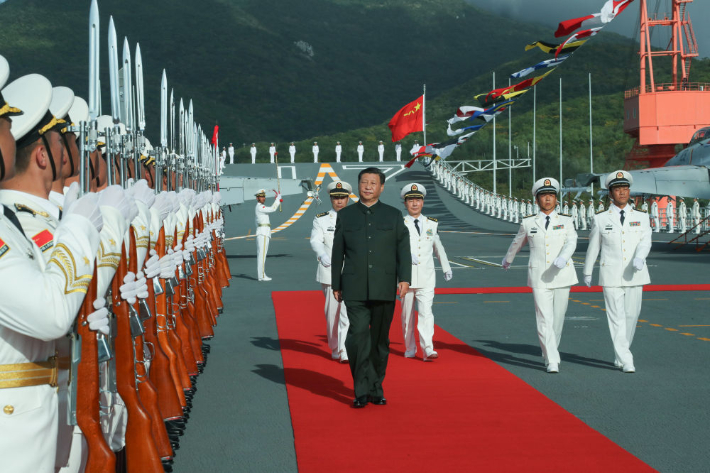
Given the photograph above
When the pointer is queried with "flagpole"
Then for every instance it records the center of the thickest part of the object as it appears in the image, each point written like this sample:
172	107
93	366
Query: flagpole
560	131
494	142
424	115
510	148
591	144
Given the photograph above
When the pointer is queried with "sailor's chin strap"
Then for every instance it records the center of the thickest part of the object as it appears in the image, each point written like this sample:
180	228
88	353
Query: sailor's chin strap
71	158
2	166
51	158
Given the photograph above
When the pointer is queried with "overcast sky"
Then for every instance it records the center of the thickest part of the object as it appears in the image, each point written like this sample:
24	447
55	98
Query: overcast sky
551	12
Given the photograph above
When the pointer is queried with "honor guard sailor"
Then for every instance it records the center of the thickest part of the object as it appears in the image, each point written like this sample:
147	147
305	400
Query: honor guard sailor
263	230
252	151
315	150
552	240
338	151
272	152
424	243
336	315
230	151
39	301
292	152
360	151
623	236
381	151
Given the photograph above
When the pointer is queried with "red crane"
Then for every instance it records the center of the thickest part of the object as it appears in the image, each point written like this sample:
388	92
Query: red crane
660	116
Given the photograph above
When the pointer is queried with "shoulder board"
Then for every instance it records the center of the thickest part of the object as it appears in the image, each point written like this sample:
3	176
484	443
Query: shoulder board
640	210
601	211
24	208
322	214
566	215
432	219
531	215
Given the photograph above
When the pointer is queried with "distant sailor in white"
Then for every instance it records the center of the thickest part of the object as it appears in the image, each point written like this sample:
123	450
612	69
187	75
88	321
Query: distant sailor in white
552	240
670	215
263	231
230	151
315	150
682	216
575	215
398	150
336	315
425	243
252	151
695	214
360	151
582	215
338	151
292	152
623	235
415	148
272	152
655	217
381	151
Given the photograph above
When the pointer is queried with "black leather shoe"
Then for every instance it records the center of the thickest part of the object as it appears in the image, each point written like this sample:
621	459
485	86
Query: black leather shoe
377	400
360	402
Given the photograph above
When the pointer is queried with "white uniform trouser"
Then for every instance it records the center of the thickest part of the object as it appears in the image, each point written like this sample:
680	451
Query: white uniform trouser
78	454
262	247
623	306
425	321
336	318
315	157
550	309
359	155
337	157
656	224
293	157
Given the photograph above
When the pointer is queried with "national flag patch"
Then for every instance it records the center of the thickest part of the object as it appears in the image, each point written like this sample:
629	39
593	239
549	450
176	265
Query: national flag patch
3	248
558	227
634	224
44	240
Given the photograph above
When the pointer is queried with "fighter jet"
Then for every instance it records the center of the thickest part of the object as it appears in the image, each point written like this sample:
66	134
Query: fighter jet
687	174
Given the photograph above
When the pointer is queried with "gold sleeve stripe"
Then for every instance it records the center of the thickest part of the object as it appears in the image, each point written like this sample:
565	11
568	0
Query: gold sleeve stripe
107	259
62	257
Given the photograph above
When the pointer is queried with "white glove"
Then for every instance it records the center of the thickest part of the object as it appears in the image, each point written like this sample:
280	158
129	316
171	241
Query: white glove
177	256
87	207
324	260
588	280
142	193
162	205
560	262
448	275
216	198
505	264
415	259
129	289
167	269
638	263
98	320
71	194
115	196
190	244
141	286
152	266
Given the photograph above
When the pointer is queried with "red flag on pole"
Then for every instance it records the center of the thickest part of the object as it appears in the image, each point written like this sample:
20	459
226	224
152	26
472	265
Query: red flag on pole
215	135
407	120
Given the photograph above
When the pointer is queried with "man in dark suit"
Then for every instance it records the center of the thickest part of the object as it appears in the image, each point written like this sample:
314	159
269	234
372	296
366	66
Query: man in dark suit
371	264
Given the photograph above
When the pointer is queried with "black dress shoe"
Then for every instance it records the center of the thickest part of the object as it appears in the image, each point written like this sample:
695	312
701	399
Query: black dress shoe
360	402
377	400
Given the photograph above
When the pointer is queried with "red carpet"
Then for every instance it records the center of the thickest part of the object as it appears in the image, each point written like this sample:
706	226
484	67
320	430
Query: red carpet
462	412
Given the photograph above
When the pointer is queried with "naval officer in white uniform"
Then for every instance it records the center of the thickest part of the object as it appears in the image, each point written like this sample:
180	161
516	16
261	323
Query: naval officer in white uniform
336	315
623	235
552	240
424	244
263	230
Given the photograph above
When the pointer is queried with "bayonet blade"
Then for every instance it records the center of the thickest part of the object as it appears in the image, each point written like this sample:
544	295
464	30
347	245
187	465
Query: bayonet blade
113	71
164	110
127	115
94	44
139	89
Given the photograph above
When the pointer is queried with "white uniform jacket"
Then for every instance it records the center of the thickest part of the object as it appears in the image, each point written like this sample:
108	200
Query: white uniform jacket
425	246
560	239
619	245
322	241
263	224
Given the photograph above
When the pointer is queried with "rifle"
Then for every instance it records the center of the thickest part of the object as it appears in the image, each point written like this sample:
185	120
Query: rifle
141	451
100	457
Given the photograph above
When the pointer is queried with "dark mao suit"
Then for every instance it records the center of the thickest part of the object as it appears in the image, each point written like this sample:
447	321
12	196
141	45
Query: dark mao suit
373	244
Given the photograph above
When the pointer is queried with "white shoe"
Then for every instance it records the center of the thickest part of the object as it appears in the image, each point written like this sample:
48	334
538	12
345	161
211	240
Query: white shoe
410	354
335	355
553	368
618	364
628	368
430	355
265	278
343	356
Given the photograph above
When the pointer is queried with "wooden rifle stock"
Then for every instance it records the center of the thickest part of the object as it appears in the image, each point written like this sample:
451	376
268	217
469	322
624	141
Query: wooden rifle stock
175	341
226	273
188	310
100	458
146	391
141	452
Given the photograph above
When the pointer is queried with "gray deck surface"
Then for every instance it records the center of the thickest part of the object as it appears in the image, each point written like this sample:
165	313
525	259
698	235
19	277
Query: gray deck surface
241	422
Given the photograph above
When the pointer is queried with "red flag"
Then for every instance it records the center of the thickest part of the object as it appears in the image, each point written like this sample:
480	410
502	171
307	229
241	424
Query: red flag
567	27
215	135
407	120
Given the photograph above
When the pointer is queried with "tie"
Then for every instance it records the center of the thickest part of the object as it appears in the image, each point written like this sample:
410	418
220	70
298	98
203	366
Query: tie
10	215
622	217
547	222
416	225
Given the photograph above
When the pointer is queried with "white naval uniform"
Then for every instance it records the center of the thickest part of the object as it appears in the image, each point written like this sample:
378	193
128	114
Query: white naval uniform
582	216
549	284
424	245
695	215
338	151
252	151
263	235
623	285
30	322
336	315
398	151
682	217
292	152
230	150
381	151
670	216
360	152
272	153
655	217
315	150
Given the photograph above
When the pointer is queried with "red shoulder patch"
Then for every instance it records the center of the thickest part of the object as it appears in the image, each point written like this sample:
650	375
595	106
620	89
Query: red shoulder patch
44	240
3	248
